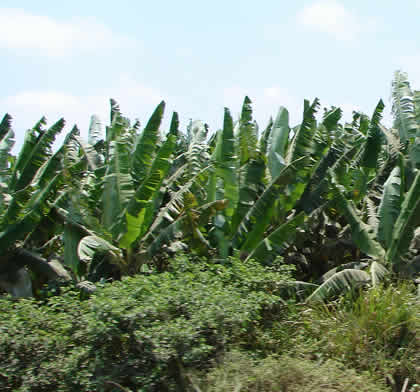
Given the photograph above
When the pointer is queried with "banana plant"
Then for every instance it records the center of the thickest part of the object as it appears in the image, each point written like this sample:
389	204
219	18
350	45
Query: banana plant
186	196
131	203
125	171
385	238
259	179
353	153
256	184
388	199
311	149
32	183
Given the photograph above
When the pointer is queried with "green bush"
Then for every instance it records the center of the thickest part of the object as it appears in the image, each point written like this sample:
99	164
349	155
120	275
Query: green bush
43	348
142	332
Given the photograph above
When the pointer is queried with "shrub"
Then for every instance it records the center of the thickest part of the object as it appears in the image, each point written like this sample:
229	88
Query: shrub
43	348
141	332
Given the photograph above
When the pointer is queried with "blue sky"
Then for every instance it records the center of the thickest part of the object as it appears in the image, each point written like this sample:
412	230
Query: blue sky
66	59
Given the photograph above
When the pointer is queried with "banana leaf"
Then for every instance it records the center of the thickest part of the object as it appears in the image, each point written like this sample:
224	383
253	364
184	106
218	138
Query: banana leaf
251	229
389	207
361	234
36	150
403	107
118	184
250	178
278	141
408	220
145	148
373	143
136	211
301	144
267	249
226	166
378	273
338	283
90	245
265	137
177	228
247	134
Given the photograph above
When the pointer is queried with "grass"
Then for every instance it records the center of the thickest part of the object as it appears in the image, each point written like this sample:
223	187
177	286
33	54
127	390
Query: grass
379	332
239	373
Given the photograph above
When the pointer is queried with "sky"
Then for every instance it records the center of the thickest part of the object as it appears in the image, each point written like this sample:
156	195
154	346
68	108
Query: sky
67	59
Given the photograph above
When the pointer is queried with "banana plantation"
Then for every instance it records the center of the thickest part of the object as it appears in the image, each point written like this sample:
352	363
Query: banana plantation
341	202
333	205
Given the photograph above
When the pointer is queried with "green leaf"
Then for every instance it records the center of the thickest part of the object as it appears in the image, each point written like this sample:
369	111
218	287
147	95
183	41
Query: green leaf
403	107
5	125
407	221
361	234
95	130
36	149
301	144
177	228
115	111
278	142
174	127
415	147
71	238
170	211
389	207
254	224
146	146
118	185
136	224
250	184
338	284
22	220
355	265
265	137
247	134
6	144
331	118
226	164
197	150
91	244
378	273
71	148
270	246
317	184
373	141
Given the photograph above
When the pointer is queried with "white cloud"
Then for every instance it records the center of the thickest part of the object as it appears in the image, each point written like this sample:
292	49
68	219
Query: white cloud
331	17
47	99
22	31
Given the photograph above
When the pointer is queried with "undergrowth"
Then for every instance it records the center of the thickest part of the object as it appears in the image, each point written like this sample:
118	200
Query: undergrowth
209	327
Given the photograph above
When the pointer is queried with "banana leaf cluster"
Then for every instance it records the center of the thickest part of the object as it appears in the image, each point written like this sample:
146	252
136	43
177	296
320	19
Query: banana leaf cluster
339	201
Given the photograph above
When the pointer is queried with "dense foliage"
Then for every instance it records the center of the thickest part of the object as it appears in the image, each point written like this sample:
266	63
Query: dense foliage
139	332
340	202
291	214
159	332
